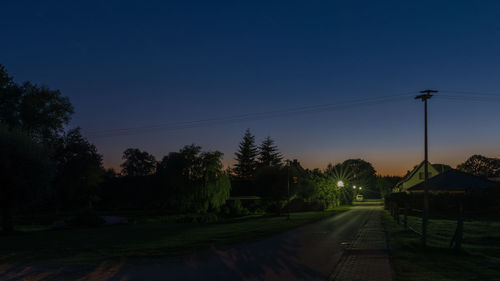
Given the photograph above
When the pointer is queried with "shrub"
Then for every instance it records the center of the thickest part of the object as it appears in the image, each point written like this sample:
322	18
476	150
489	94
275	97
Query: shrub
234	209
207	218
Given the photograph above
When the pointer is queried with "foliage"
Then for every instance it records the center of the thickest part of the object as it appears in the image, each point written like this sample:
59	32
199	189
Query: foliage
38	110
234	208
355	172
79	171
385	184
269	155
25	172
194	181
137	163
246	162
479	165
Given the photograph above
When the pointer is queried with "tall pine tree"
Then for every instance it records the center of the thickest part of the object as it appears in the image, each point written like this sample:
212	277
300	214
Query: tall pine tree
246	157
269	156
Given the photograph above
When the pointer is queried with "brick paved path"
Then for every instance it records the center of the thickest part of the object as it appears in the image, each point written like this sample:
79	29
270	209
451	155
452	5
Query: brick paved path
367	258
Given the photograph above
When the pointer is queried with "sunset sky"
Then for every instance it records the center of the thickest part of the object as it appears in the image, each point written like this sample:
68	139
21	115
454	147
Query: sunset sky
147	67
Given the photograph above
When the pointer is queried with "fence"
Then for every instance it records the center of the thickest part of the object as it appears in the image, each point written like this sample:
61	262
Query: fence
444	208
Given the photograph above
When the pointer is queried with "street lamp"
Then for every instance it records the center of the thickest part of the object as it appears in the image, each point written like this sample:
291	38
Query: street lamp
354	187
340	184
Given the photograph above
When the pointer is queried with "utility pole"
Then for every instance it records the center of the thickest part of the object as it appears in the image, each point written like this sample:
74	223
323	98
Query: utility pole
425	95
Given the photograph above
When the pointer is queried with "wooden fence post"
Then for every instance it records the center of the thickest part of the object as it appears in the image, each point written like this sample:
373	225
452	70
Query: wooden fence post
405	218
460	228
397	214
459	231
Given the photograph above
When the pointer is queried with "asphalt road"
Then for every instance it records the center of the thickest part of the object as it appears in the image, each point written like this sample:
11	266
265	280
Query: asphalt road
306	253
310	252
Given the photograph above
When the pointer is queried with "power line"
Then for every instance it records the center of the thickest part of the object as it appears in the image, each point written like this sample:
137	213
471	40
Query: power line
469	98
467	93
249	116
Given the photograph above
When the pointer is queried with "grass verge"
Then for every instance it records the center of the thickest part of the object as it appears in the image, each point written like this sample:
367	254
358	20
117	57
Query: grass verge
90	245
479	260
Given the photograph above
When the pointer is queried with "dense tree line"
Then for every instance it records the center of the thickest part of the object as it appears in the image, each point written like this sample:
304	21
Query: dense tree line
261	171
46	167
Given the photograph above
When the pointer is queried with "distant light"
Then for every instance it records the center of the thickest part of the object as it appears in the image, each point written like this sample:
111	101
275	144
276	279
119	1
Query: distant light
360	188
355	187
340	184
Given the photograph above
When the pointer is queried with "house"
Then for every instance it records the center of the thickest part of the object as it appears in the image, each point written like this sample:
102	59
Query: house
454	181
417	175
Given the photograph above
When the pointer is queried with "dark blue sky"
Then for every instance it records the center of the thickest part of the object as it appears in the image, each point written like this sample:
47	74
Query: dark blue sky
134	64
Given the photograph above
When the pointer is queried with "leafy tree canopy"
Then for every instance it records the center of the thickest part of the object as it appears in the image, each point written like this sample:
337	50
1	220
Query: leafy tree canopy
480	166
79	169
196	180
138	163
37	109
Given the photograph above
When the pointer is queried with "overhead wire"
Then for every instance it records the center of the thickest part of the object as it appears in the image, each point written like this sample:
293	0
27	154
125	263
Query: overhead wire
249	116
445	94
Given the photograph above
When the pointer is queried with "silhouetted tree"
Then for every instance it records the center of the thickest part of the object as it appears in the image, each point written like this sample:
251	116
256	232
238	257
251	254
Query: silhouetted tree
246	155
25	173
38	110
137	163
196	181
385	184
269	156
480	166
79	170
216	184
363	174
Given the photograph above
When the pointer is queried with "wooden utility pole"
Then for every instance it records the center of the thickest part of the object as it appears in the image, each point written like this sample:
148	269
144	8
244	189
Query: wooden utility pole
425	95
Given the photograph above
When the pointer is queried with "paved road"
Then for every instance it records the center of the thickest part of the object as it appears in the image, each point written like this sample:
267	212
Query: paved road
307	253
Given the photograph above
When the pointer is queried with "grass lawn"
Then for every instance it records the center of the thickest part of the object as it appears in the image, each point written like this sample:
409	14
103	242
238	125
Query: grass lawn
479	260
89	245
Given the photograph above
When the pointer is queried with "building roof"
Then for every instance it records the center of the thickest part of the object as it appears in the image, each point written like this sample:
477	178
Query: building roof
410	174
454	180
440	168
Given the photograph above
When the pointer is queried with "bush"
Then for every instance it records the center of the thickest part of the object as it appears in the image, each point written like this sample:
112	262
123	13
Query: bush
234	209
207	218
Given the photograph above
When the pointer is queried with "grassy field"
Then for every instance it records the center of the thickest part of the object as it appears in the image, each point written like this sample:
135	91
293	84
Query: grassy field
142	239
479	260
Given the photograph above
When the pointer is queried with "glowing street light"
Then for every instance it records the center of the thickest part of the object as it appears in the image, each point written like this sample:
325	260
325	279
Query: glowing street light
340	184
360	188
354	187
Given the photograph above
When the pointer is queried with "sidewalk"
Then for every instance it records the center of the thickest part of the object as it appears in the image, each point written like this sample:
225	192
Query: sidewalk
367	258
